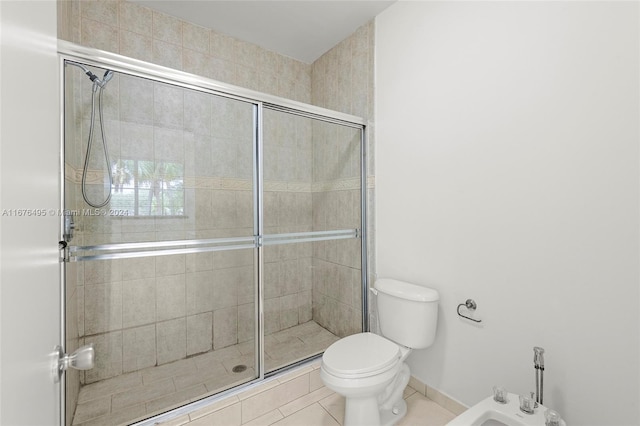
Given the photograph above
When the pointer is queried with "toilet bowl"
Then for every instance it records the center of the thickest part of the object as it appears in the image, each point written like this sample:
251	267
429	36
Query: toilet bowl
361	367
488	412
369	369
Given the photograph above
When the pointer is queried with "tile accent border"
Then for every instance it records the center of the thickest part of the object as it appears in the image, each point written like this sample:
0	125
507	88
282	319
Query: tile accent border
196	182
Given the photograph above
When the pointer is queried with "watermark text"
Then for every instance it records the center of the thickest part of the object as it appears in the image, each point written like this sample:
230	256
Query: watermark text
63	212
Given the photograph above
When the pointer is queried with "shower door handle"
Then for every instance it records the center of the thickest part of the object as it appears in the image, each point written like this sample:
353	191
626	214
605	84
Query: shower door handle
83	358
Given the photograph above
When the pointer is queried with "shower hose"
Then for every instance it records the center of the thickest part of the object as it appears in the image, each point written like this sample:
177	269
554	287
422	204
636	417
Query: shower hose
97	88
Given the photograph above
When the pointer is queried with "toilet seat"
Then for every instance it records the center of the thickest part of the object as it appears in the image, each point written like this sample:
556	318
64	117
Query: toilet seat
361	355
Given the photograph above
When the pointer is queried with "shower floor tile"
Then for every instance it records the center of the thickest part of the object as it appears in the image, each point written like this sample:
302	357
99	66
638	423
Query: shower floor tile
134	396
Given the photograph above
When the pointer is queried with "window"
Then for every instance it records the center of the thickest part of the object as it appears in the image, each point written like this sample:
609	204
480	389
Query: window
148	188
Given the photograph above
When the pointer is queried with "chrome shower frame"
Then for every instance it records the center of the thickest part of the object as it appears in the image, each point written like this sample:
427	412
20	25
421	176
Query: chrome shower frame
117	63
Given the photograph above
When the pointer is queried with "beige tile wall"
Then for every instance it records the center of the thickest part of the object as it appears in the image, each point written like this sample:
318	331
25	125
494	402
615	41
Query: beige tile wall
142	33
121	300
337	286
180	305
152	299
111	295
342	80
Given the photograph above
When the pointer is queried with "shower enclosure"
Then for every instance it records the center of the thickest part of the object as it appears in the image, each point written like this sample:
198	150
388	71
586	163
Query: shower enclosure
231	246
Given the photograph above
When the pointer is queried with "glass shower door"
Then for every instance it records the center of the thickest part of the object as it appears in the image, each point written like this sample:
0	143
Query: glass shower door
312	219
162	280
204	226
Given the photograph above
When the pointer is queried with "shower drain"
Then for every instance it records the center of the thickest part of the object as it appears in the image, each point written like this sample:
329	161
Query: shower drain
239	368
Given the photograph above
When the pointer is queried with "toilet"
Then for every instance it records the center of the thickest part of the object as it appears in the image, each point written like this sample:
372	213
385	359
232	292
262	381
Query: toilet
369	370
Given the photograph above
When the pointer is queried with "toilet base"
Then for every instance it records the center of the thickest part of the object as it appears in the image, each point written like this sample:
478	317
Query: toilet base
365	412
388	418
361	412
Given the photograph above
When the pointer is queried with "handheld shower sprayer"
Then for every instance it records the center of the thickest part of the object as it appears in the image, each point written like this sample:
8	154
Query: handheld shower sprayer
98	86
538	363
108	75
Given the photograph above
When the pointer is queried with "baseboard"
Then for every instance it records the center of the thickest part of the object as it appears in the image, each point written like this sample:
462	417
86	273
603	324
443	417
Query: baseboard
438	397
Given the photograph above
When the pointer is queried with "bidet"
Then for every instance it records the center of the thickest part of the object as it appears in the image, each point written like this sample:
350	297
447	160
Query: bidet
490	412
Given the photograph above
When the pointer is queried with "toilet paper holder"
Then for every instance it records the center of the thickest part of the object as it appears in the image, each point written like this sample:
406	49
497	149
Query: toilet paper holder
471	305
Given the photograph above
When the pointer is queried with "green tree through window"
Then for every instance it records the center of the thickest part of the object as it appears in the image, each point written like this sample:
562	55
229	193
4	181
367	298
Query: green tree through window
148	188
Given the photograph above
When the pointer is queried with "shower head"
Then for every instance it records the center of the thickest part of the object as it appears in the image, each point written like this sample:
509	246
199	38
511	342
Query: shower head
108	75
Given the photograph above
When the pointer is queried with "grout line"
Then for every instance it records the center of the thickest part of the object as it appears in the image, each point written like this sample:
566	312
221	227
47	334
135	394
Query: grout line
172	375
329	412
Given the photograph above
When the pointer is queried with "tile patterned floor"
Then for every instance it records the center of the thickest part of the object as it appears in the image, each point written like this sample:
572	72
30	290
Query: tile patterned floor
321	407
329	411
144	393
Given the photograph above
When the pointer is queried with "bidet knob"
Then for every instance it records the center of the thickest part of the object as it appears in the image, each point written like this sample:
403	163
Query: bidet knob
552	418
527	404
500	395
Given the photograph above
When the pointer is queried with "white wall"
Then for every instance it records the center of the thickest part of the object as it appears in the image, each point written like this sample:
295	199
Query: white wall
507	172
29	164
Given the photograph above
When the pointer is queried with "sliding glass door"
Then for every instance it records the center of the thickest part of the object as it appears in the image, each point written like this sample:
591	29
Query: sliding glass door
211	240
162	279
312	216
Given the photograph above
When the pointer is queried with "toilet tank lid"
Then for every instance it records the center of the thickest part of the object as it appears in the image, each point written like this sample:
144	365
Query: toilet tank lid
405	290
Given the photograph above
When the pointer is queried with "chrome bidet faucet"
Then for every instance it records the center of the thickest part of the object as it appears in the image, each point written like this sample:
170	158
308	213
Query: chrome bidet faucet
529	404
538	363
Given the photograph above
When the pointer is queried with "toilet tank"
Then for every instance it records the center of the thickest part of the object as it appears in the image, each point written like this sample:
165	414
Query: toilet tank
408	312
